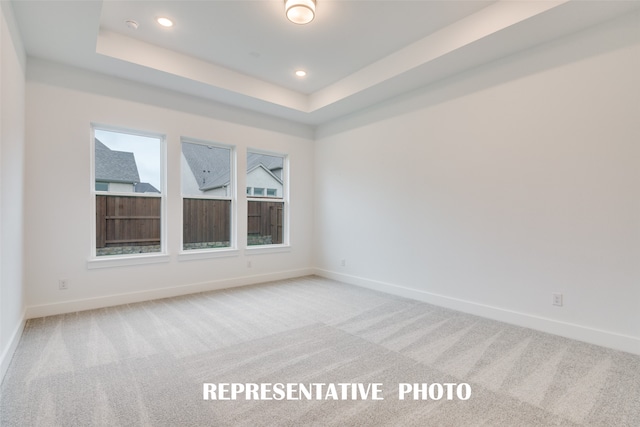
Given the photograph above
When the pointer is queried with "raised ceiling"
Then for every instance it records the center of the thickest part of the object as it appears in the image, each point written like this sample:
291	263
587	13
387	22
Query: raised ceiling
244	53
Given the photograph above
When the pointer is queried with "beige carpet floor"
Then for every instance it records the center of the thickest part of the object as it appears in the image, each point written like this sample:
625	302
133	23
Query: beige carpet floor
145	364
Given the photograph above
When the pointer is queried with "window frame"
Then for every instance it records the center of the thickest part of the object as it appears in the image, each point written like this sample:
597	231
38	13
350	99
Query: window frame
128	259
286	223
232	249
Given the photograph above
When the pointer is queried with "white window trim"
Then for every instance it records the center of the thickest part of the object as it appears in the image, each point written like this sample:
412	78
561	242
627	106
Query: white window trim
232	249
129	259
195	254
286	223
263	249
126	260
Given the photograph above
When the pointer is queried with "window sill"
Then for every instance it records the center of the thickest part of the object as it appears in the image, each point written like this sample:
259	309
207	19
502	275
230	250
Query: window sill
267	249
206	254
126	260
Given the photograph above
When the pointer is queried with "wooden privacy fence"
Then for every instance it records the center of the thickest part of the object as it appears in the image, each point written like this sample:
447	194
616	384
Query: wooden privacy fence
127	220
265	219
135	220
206	220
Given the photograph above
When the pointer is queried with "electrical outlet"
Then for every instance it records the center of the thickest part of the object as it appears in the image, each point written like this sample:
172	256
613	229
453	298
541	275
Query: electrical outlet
343	263
63	284
557	299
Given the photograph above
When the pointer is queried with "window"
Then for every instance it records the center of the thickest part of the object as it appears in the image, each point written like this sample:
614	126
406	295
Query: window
260	192
128	192
207	196
266	213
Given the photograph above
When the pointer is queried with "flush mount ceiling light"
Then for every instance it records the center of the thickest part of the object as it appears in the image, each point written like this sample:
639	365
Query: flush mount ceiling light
301	73
300	11
165	22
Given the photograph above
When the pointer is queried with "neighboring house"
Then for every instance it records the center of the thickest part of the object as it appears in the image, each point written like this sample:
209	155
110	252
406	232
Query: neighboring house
264	176
144	187
205	170
116	171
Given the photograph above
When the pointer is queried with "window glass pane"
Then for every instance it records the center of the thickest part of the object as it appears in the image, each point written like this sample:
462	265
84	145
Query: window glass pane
206	173
102	186
127	225
265	220
264	223
264	171
206	224
206	170
127	165
130	163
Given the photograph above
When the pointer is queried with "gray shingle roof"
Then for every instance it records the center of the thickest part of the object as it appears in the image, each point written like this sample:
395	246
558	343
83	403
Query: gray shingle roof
115	166
273	163
144	187
209	165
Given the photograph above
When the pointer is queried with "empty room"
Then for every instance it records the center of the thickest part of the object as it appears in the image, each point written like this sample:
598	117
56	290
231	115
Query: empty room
320	212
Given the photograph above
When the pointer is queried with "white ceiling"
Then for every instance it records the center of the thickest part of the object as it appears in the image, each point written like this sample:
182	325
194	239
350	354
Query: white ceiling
244	53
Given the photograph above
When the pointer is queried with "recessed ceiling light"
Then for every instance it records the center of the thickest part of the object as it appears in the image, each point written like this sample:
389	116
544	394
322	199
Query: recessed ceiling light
165	22
301	73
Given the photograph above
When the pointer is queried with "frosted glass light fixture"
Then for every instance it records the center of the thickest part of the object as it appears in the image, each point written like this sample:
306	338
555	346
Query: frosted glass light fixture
300	11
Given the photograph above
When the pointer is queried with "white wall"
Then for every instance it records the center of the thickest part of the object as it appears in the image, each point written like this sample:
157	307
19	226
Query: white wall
58	223
12	103
492	190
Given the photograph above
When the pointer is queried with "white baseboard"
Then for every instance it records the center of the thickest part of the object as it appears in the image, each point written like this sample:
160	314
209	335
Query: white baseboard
133	297
7	354
567	330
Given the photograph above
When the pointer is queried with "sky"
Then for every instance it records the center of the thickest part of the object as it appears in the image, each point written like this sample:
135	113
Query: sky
146	151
